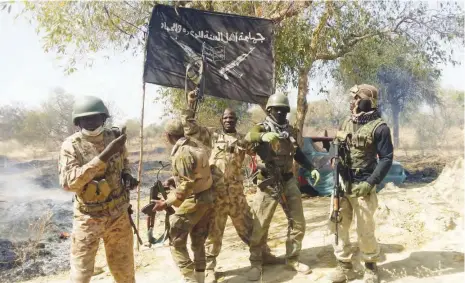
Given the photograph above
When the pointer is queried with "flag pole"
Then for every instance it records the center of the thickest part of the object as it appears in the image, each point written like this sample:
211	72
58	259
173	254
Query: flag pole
141	138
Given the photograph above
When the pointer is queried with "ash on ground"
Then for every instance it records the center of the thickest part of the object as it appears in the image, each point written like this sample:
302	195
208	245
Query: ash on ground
36	218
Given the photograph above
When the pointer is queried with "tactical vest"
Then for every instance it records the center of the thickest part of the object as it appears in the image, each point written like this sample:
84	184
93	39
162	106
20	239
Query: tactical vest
284	157
203	179
227	157
362	147
105	191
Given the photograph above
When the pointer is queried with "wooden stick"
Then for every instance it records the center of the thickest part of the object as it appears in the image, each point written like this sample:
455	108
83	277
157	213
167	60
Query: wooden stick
141	154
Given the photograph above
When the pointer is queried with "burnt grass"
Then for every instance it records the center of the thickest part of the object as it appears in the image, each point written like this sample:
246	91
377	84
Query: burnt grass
29	190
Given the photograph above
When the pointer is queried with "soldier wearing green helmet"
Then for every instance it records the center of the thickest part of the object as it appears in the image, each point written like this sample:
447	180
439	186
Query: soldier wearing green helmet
275	143
369	139
93	164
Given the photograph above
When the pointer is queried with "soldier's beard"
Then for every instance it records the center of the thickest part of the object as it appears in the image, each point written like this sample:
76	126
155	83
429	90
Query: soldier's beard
92	133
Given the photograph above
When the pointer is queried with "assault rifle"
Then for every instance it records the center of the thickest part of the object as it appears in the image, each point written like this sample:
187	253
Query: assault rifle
155	190
341	152
277	192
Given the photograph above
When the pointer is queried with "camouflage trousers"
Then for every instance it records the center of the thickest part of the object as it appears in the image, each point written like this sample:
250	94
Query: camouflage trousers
264	207
364	209
194	222
117	235
229	201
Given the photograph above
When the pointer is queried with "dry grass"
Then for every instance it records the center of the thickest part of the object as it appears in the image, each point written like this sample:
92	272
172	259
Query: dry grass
32	248
13	149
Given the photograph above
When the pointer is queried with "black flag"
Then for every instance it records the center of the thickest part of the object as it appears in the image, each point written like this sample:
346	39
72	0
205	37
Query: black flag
237	51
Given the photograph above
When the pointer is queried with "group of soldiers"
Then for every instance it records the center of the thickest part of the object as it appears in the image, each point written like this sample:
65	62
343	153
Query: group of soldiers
207	173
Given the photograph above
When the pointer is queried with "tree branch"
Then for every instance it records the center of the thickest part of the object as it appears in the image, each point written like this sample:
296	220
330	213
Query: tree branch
290	11
320	26
113	23
129	23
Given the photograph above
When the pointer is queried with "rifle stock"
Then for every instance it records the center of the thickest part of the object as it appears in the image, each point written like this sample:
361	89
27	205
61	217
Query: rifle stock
341	151
277	185
156	189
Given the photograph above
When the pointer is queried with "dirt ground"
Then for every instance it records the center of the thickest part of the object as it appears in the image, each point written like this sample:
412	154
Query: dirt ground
420	230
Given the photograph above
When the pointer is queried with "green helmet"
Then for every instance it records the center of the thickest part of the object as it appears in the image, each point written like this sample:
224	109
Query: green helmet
278	100
366	92
88	106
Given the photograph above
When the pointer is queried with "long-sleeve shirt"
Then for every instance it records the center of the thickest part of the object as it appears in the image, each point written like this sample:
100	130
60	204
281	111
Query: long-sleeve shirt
76	169
255	134
385	151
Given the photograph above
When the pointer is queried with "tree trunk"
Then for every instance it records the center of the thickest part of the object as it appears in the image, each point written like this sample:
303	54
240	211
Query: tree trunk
395	120
302	106
301	110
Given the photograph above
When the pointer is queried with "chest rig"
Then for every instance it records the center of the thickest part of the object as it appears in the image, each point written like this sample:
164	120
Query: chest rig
105	191
363	152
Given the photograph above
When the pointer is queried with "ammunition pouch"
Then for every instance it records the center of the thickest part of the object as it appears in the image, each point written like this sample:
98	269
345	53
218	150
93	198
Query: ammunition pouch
96	191
100	207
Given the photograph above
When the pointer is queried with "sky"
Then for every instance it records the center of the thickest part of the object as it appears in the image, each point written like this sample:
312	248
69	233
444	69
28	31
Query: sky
29	75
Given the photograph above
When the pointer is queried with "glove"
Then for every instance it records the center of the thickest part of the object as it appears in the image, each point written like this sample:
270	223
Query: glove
362	189
270	137
315	176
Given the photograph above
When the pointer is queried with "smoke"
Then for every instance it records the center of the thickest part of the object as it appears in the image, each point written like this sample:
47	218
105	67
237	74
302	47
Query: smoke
27	192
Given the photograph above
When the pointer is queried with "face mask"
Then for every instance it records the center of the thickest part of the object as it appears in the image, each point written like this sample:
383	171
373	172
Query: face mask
93	133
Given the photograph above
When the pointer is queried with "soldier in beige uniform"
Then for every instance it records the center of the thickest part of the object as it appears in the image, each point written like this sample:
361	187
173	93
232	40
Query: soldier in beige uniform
92	164
193	199
370	140
228	149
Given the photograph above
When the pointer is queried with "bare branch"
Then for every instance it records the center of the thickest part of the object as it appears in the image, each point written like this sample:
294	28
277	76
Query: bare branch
319	28
292	9
129	23
113	23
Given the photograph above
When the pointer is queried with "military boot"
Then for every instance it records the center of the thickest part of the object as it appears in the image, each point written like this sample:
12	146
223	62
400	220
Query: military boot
271	259
344	271
189	277
371	273
298	266
210	276
255	273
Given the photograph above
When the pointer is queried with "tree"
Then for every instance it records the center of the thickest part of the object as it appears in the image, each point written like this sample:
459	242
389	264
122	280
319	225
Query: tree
132	129
405	77
11	119
331	30
306	32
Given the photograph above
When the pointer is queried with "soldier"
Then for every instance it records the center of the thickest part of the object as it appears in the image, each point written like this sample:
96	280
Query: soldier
194	201
371	137
226	162
275	144
92	164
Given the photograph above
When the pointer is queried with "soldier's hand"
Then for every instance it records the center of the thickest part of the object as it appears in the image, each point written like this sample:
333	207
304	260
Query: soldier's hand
118	132
112	148
159	205
362	189
192	96
169	183
129	181
270	137
315	174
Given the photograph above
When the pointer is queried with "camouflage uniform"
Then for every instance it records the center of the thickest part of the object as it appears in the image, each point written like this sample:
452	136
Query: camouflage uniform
195	205
100	206
227	156
264	204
